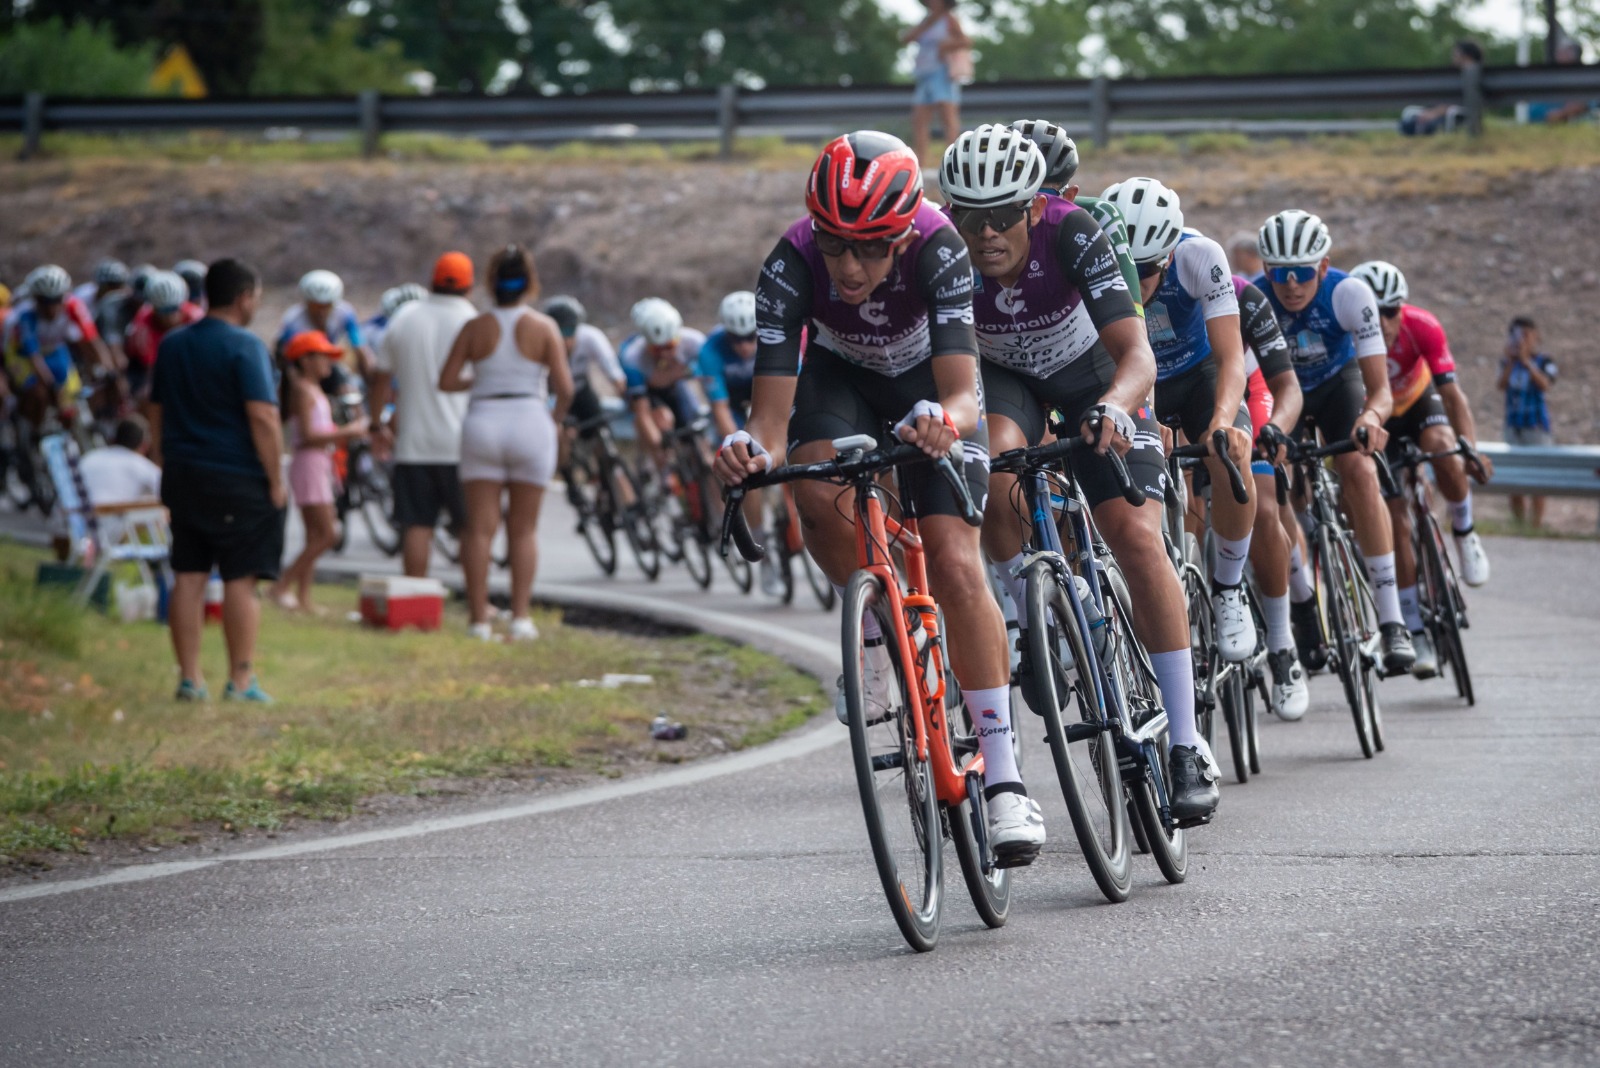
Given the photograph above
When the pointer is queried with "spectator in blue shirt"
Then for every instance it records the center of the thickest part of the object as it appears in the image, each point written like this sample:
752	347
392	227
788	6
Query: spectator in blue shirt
1526	375
214	413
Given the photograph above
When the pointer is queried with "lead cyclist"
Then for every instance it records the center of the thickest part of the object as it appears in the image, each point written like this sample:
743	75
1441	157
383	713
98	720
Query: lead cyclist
885	285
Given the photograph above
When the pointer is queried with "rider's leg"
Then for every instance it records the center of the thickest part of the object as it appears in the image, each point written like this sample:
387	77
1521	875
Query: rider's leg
1003	520
1269	553
1373	529
1405	564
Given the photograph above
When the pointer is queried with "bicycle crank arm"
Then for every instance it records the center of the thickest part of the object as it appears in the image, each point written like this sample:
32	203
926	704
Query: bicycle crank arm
1149	732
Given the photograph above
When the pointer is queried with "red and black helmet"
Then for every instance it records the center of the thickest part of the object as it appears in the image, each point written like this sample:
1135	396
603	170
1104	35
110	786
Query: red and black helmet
865	185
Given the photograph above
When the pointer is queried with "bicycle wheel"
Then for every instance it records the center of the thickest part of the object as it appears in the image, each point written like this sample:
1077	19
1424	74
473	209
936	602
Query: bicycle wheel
1235	712
1082	746
897	790
1257	688
821	588
1344	632
1444	610
696	555
377	509
637	528
1202	645
590	498
988	885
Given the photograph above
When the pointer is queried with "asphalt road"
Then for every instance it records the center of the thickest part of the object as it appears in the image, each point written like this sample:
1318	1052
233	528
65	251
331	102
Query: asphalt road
1437	905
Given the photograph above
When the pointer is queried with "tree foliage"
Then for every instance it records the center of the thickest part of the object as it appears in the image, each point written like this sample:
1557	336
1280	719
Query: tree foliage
306	51
71	60
223	39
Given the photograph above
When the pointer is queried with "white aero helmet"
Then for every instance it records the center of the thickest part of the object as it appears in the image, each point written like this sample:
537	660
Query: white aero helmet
48	282
1153	215
990	167
166	291
321	287
738	313
657	320
1293	238
1060	151
398	297
1386	281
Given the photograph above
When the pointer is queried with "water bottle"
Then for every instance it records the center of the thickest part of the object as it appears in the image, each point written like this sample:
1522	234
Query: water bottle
1099	633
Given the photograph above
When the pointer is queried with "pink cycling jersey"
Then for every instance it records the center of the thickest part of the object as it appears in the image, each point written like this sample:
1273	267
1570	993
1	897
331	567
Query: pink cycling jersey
1420	356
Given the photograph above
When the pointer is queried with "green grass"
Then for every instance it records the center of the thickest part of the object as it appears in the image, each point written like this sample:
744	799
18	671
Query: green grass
92	745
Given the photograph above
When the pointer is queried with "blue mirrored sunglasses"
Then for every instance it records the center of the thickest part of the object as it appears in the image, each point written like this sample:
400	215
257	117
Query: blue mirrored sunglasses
1284	275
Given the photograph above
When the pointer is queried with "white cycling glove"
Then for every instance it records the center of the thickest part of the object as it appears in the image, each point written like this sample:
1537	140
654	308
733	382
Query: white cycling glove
1121	420
742	437
922	408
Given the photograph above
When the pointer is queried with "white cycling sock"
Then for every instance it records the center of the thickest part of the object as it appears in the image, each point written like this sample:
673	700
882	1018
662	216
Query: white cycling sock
1300	587
1410	608
1228	557
1461	515
991	717
1380	569
1015	587
1175	676
1280	635
869	622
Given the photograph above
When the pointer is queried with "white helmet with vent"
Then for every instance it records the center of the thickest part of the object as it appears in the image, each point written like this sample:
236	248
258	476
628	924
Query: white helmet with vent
321	287
657	320
1293	238
1153	214
738	313
991	166
1386	281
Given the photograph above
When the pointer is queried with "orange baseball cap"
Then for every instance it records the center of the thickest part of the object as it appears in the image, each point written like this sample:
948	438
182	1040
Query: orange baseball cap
453	270
311	343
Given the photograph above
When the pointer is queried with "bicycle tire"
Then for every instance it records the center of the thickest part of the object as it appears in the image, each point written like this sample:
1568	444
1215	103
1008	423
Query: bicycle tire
1099	813
1233	700
1345	638
1202	651
1365	603
988	885
1446	611
1258	688
739	570
377	511
696	556
637	528
591	499
898	801
821	587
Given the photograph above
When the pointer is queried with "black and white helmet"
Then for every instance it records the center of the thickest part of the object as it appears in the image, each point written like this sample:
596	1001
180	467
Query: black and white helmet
738	313
398	297
166	291
1293	238
1386	281
568	312
991	166
1153	214
141	277
321	287
110	273
49	283
1060	151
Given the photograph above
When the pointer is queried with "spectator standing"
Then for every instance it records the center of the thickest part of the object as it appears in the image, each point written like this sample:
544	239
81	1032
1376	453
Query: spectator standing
426	431
1417	121
508	439
312	436
214	417
941	45
1526	375
1243	254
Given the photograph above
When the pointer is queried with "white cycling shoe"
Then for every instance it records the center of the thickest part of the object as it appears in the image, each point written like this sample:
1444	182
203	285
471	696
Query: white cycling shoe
1290	694
1426	665
1016	829
771	581
1236	633
879	671
1474	560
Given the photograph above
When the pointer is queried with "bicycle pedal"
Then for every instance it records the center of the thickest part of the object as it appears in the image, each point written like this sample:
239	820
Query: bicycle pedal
1193	821
1016	857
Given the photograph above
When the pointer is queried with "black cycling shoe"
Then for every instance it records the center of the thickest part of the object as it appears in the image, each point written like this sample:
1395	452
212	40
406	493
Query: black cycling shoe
1398	652
1194	786
1307	626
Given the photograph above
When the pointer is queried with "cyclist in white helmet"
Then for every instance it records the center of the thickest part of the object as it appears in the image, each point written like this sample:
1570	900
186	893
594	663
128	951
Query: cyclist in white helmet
323	307
52	333
167	307
1330	321
1058	328
1192	316
1431	409
662	364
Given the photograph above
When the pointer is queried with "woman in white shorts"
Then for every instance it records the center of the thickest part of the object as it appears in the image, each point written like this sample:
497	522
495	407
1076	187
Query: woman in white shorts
508	438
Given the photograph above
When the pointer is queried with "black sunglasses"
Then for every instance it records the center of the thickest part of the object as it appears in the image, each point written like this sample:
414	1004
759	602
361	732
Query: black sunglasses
1390	313
999	219
832	245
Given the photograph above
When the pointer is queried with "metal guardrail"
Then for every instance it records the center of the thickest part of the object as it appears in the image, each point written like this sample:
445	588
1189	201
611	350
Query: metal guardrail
1547	470
1267	104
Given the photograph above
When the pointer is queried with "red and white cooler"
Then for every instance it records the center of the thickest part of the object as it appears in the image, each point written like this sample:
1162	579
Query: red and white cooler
391	602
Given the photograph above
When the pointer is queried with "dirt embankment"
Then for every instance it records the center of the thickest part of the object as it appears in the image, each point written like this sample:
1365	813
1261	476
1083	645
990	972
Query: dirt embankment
1475	252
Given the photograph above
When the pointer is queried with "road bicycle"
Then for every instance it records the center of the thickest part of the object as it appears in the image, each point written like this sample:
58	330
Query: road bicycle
914	750
1345	598
1220	685
605	494
1089	676
692	509
792	554
1444	609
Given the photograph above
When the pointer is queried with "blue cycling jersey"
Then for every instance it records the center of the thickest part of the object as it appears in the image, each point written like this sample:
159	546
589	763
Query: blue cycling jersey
693	353
1319	344
1175	322
738	374
343	325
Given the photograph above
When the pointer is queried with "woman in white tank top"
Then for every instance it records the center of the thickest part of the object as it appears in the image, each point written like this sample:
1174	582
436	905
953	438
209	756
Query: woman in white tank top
508	438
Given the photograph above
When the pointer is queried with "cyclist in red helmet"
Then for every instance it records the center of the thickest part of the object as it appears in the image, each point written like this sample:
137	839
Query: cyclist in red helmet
884	283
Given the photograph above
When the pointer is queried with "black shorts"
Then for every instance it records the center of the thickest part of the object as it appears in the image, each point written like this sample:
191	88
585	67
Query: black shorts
224	520
1336	404
422	491
585	406
1427	410
1025	401
835	399
1187	402
679	398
